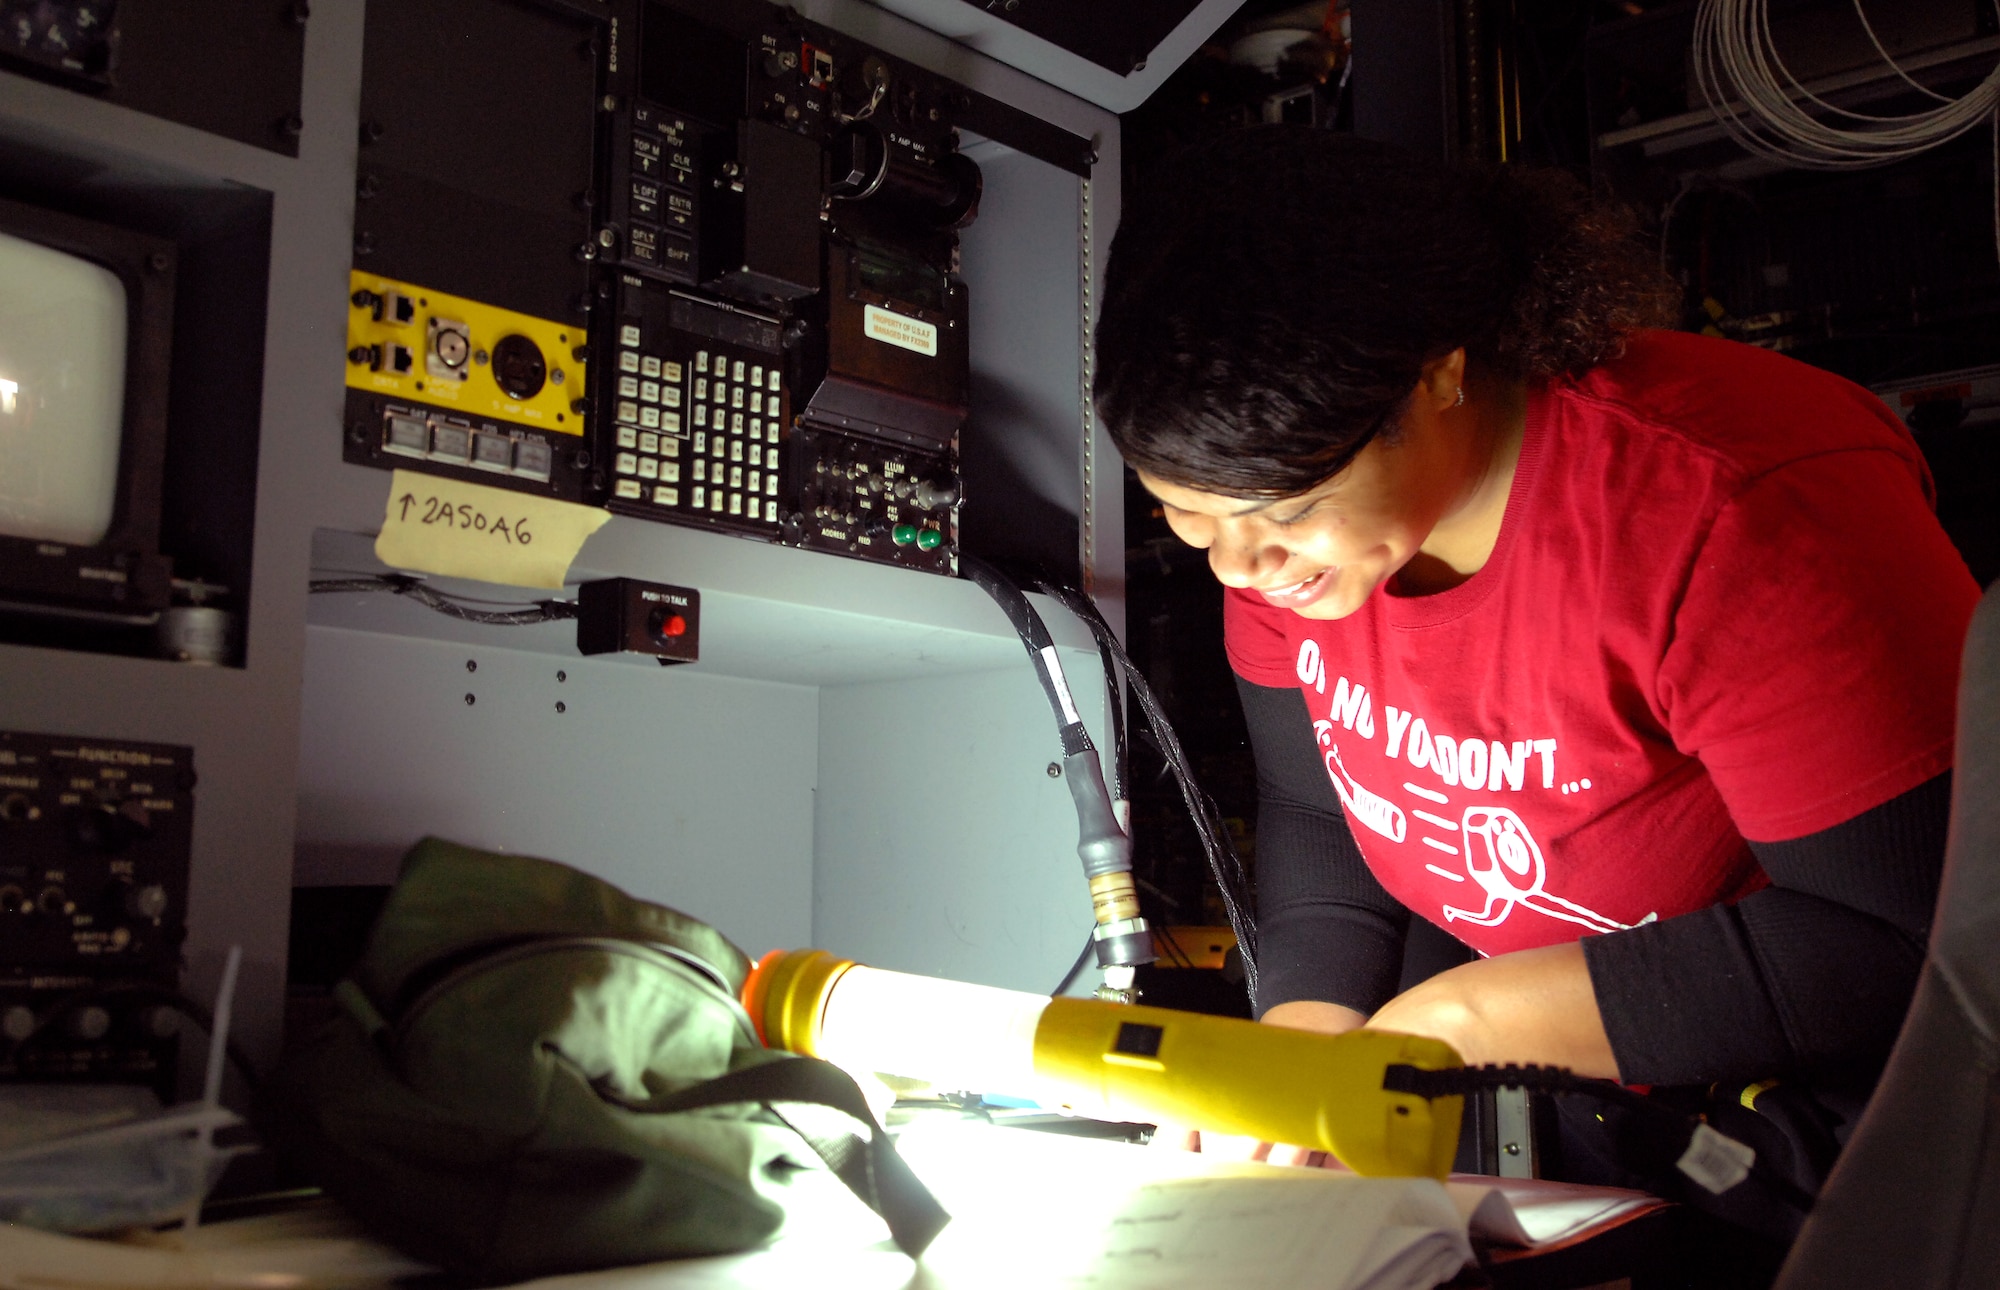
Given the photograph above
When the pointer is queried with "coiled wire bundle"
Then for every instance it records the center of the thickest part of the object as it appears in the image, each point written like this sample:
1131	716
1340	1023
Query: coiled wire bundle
1755	97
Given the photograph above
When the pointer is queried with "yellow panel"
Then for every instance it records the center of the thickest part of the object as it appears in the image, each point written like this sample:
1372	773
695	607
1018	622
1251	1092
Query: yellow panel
449	352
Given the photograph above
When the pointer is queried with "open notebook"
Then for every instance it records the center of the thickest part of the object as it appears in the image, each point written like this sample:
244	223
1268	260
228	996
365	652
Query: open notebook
1030	1209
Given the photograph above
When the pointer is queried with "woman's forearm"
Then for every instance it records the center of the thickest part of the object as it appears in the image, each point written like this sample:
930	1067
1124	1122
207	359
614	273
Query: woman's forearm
1529	1006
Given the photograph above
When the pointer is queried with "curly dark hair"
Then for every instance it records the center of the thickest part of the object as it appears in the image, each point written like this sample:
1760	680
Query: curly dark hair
1273	295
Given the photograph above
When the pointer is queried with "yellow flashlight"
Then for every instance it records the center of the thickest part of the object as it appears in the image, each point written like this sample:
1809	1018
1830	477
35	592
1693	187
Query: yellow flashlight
1117	1061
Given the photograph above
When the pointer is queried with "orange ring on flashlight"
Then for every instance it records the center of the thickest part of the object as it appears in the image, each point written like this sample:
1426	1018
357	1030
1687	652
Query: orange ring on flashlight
786	994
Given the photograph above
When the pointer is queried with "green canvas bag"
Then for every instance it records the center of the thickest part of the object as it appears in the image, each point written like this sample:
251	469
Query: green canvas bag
534	1073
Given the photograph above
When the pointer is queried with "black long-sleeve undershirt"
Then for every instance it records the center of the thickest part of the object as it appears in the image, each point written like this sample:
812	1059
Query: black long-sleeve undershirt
1811	974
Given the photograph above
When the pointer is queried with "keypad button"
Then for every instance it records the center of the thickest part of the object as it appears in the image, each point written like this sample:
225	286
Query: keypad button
649	366
700	497
670	446
772	381
701	387
628	335
701	441
649	468
534	458
736	373
631	488
715	500
628	362
756	375
701	414
628	464
627	437
670	471
628	387
671	371
718	444
701	472
628	412
736	423
770	512
720	390
756	402
771	485
670	422
756	428
649	391
736	503
650	418
735	396
736	476
649	443
667	496
700	365
671	396
754	481
736	450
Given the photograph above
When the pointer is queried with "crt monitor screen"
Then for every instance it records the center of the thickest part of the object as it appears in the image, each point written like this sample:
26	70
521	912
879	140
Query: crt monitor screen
62	393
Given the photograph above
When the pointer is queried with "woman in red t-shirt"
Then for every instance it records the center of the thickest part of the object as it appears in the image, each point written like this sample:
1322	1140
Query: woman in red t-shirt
1625	657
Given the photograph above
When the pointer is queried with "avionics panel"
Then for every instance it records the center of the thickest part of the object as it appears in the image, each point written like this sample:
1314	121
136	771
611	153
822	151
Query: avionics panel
762	167
94	840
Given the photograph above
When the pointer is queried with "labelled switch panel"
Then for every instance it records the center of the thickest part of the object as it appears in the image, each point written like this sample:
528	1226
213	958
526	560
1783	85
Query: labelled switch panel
628	616
451	386
94	847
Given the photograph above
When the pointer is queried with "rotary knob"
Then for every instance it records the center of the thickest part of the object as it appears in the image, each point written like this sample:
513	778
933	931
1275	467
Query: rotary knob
89	1023
148	901
17	1024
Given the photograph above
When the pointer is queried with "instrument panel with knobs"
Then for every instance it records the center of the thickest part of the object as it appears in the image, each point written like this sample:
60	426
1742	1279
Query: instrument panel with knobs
94	842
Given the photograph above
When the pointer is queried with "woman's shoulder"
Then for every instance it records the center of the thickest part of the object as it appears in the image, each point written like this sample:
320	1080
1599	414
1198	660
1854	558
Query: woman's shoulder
1747	409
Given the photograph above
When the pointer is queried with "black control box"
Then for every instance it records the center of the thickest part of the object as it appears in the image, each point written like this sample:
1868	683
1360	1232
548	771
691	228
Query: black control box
94	851
625	615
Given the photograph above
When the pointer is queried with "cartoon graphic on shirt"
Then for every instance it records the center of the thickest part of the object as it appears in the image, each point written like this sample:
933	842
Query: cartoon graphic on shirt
1509	866
1373	810
1491	844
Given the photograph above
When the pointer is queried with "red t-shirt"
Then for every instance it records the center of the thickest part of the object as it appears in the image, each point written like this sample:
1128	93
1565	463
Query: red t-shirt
1719	608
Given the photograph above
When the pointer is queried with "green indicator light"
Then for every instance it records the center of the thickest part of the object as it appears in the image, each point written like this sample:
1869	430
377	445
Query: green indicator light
903	534
930	540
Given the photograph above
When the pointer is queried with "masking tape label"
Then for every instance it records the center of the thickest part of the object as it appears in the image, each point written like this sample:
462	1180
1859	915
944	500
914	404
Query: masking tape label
897	329
461	530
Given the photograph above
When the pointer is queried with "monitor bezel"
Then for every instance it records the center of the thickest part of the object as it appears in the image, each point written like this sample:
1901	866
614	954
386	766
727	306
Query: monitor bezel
124	576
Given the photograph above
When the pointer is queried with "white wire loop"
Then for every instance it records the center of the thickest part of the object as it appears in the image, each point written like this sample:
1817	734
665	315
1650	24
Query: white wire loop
1755	97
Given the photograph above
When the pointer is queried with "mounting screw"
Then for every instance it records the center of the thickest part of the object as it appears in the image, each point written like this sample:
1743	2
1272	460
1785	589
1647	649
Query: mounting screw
586	251
561	677
371	131
472	665
561	707
301	12
581	460
364	243
357	432
1055	770
158	262
607	238
479	357
292	125
579	406
469	700
367	186
608	103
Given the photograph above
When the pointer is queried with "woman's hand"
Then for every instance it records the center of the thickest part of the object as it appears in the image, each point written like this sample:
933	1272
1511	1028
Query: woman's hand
1528	1006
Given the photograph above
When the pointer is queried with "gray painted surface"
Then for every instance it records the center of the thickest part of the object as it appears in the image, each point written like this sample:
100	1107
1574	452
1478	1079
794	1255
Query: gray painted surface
943	847
695	791
976	29
777	619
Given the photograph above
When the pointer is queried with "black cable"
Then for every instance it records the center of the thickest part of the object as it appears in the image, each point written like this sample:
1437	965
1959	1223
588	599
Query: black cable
1217	845
1034	634
1463	1080
149	992
1107	652
546	611
1084	956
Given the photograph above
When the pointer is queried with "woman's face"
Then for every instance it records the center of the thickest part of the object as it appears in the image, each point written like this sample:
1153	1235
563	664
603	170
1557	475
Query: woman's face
1322	553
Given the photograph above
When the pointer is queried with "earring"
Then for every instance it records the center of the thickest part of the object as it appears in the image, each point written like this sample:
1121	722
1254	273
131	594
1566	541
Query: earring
1461	398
